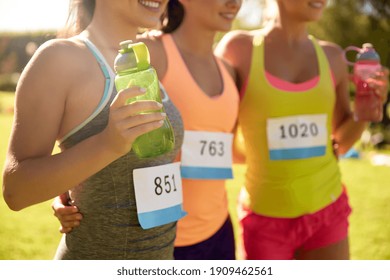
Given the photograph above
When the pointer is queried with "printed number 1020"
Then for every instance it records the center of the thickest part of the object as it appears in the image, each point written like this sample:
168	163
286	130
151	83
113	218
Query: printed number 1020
303	130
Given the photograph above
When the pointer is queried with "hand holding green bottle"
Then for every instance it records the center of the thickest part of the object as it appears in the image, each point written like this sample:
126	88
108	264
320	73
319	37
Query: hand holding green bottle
133	68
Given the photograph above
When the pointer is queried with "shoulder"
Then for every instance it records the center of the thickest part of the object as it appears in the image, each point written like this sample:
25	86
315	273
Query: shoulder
58	56
61	49
234	40
158	58
153	39
237	45
335	56
236	48
238	36
229	68
334	53
331	50
57	67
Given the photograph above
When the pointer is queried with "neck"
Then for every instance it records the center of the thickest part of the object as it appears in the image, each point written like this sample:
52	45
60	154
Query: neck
291	34
194	40
108	34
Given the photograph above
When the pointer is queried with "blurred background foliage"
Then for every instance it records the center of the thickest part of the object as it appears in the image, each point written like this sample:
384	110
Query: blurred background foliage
345	22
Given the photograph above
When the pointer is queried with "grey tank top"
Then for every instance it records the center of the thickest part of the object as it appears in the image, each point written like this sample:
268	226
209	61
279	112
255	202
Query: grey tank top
110	227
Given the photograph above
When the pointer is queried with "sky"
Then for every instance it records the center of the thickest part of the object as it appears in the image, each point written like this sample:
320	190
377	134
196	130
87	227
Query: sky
38	15
32	15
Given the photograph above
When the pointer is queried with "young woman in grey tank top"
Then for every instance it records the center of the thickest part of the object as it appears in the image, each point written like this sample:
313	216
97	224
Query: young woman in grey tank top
66	94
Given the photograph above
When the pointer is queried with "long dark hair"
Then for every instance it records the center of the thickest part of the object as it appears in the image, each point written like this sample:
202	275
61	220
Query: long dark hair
81	13
79	17
173	16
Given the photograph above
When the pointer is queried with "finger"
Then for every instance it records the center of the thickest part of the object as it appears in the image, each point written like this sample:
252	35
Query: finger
136	108
136	131
141	119
64	198
57	203
70	224
61	210
385	71
381	76
70	218
125	94
380	88
65	230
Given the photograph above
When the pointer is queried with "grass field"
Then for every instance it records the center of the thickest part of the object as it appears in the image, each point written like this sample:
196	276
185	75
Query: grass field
33	232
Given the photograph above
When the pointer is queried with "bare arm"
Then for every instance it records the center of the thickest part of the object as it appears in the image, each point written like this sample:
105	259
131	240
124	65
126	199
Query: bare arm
346	131
31	174
158	57
235	49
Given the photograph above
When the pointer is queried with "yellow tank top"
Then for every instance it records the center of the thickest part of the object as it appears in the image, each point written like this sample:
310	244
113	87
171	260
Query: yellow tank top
205	201
291	168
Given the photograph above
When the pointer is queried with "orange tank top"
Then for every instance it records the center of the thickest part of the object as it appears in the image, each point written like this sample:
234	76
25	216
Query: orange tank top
205	201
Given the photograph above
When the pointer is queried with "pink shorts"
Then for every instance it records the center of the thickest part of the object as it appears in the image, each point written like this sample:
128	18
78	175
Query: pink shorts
267	238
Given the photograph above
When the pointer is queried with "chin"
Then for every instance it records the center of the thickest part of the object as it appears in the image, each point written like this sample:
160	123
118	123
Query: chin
316	16
151	23
224	27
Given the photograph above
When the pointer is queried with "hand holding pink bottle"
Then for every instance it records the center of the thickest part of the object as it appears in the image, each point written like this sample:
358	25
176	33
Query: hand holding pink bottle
368	104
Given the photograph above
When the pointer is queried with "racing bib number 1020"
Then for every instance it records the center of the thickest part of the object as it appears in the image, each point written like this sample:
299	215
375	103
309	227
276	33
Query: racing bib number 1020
297	137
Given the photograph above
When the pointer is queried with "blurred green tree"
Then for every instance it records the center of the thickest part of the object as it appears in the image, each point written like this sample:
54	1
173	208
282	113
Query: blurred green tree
351	22
345	22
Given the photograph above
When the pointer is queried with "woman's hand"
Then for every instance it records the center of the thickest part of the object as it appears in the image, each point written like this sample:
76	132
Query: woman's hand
128	121
68	215
380	84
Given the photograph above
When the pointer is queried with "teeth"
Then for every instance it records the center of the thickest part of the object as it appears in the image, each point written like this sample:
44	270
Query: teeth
228	16
316	4
149	4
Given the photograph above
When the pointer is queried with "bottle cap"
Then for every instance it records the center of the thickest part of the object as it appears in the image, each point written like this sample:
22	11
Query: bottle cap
132	56
125	60
368	52
125	44
367	46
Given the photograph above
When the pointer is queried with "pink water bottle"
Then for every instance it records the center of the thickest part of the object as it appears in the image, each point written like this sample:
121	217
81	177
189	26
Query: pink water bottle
368	105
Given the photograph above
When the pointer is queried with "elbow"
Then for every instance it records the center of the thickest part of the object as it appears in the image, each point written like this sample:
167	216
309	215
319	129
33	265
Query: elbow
9	195
343	150
340	149
10	200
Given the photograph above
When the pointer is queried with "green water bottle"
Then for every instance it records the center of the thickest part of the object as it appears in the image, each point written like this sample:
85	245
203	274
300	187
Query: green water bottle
132	66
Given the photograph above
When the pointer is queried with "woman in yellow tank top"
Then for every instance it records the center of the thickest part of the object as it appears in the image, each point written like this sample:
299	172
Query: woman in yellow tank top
202	87
295	101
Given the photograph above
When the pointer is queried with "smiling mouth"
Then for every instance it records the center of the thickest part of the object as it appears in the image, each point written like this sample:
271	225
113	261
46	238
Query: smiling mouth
228	16
150	4
317	5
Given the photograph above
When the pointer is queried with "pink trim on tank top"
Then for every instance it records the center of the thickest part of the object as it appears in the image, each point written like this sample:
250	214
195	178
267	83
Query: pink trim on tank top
286	85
